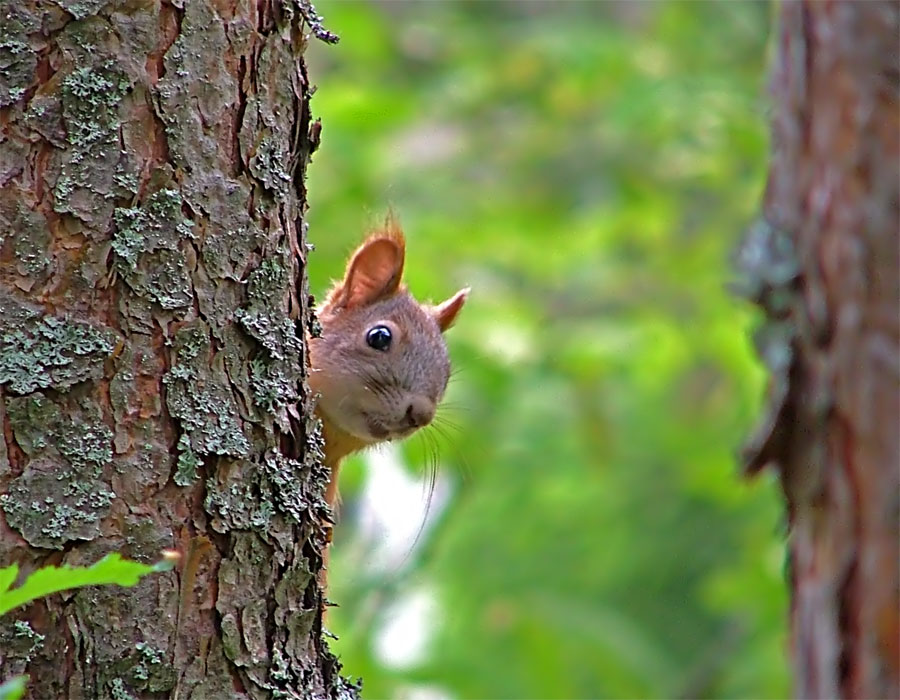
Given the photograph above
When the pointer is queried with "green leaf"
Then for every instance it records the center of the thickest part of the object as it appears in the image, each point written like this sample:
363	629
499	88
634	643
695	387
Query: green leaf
52	579
14	688
8	576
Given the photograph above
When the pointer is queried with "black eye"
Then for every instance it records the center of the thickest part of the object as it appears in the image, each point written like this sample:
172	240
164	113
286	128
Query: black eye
379	338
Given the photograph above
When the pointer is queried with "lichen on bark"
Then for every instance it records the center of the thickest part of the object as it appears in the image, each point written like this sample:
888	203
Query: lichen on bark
61	495
198	395
90	93
152	363
18	59
147	243
39	350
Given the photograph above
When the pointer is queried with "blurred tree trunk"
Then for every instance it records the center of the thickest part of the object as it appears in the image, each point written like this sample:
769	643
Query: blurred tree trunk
825	267
152	364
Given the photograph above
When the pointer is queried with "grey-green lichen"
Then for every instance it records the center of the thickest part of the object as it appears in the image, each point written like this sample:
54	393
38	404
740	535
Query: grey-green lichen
270	163
90	98
275	373
38	350
158	223
248	495
60	495
265	137
241	500
31	252
286	476
118	691
94	80
91	95
187	463
32	640
266	284
80	9
18	645
198	396
75	429
30	239
126	179
281	668
146	243
272	388
17	58
151	670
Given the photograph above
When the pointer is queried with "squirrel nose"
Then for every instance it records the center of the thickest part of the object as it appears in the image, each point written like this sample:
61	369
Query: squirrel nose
419	412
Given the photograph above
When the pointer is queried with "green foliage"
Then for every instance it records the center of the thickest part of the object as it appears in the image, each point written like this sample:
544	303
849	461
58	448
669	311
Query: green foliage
13	689
587	168
53	579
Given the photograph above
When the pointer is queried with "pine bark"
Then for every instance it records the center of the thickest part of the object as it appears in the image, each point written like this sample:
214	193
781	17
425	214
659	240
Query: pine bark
153	302
824	264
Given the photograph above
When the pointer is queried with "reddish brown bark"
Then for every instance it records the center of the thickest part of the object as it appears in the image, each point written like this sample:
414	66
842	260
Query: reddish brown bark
826	261
152	365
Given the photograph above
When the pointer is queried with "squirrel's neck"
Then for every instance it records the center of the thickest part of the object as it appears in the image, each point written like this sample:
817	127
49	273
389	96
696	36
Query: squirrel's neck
338	444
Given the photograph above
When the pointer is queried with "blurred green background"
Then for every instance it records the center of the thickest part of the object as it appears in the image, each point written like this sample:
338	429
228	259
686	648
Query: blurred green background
587	168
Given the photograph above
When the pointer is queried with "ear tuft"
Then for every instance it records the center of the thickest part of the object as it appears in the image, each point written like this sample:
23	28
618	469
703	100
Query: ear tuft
374	271
446	312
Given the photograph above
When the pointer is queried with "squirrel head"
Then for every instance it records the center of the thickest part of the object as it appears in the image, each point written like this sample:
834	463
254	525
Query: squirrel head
381	364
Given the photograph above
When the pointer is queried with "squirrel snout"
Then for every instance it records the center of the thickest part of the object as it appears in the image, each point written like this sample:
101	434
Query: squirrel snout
419	412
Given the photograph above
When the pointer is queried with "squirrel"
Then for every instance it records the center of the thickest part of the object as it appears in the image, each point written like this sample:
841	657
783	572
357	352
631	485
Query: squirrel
380	365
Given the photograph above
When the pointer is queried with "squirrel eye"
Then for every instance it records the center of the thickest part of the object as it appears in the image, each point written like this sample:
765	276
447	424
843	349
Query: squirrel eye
379	338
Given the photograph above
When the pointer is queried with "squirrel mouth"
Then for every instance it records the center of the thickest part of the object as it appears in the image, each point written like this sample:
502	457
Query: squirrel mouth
379	431
376	429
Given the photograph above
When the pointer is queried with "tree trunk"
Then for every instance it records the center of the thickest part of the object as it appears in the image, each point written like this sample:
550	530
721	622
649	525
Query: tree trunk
152	363
824	265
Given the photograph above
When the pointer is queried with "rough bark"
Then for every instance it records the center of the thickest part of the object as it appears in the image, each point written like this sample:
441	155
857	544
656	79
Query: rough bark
152	363
824	264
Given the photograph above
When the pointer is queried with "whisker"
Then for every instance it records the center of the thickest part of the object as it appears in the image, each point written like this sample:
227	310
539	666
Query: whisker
445	422
430	481
441	430
447	428
450	439
455	406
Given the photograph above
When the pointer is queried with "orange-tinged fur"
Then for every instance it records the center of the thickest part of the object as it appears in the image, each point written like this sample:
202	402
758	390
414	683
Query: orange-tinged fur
367	395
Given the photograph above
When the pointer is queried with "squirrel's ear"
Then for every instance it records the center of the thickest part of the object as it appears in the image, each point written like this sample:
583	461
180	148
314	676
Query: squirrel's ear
374	271
446	312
